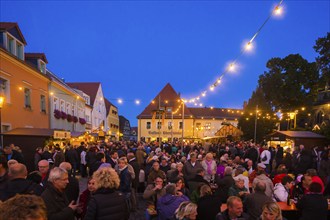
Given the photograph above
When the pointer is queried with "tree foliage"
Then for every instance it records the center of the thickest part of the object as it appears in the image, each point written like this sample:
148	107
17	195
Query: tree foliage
265	125
322	47
290	82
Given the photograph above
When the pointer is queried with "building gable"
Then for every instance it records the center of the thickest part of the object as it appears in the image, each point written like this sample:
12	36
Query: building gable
166	98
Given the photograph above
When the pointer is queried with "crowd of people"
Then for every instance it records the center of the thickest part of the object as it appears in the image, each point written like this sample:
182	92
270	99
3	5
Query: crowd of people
177	181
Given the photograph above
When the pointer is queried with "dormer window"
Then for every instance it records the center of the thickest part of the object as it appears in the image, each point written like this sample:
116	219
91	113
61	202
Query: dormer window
42	66
19	50
11	45
15	47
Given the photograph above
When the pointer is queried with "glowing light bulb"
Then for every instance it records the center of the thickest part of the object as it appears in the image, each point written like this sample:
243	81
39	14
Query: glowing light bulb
201	104
278	10
248	46
204	94
232	67
219	81
195	104
137	102
120	101
211	88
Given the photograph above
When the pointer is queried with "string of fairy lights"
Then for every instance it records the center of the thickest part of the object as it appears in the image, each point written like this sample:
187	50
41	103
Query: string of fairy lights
232	67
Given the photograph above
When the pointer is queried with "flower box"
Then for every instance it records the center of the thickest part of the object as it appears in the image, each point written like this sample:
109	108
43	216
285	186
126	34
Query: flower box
82	121
63	115
69	117
57	114
75	119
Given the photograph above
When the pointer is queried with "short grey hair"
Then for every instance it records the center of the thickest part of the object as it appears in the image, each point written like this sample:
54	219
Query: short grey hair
171	189
228	170
56	173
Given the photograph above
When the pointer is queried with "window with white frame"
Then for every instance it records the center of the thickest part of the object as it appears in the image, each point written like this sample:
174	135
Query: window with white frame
27	98
56	103
62	105
19	51
169	125
42	66
11	45
4	88
159	125
43	103
68	108
148	125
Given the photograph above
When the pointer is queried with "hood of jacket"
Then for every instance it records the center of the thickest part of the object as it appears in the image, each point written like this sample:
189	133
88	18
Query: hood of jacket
167	199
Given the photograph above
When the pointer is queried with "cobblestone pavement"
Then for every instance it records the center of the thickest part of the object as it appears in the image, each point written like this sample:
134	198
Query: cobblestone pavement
137	215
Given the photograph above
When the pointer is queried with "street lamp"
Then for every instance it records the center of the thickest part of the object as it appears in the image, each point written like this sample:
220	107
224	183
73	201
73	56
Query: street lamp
2	99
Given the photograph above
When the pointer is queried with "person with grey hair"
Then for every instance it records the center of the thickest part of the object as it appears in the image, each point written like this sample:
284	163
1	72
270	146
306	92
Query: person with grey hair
18	184
225	183
168	203
58	206
255	201
72	189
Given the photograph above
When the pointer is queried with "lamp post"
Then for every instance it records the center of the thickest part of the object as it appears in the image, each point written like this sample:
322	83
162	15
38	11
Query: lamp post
2	99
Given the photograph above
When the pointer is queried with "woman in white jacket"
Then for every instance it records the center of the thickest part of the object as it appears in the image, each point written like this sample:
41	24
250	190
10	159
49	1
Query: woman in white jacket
282	190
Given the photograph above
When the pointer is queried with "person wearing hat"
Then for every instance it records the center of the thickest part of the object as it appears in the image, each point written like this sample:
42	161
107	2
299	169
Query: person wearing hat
262	177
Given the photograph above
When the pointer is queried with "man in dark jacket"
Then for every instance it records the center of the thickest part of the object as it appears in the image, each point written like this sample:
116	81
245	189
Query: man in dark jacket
12	154
18	184
254	202
3	172
57	204
135	182
72	157
72	189
234	210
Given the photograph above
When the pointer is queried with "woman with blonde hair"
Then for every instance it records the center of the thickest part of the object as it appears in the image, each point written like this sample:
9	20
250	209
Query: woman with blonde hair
106	202
186	211
271	211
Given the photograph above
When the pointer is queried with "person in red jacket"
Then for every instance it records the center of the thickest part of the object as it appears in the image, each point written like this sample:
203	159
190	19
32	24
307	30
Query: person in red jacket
315	178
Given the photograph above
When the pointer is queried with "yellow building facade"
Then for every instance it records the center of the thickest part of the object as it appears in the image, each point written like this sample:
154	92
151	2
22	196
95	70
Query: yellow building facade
162	119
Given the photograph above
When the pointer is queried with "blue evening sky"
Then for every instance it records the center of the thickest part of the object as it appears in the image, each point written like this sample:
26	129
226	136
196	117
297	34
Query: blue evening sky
135	47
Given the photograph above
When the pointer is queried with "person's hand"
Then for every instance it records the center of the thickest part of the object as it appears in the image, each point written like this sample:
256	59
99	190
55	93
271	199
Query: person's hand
178	193
158	187
73	206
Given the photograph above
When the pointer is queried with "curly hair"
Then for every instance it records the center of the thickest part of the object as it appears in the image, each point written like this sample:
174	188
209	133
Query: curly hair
106	177
22	207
